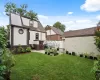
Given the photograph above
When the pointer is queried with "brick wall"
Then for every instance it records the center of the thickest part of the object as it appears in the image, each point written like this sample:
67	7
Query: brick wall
54	37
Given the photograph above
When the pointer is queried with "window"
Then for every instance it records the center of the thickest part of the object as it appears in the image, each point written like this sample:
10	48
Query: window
37	36
21	31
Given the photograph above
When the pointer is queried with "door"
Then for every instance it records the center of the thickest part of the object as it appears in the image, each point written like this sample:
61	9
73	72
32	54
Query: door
41	46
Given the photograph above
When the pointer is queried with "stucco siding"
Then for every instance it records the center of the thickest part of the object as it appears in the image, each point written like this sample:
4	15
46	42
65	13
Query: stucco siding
33	36
25	21
43	36
81	44
19	38
15	20
35	24
50	32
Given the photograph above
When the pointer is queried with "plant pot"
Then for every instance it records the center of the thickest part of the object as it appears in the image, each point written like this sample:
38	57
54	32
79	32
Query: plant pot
95	58
81	55
66	52
49	53
86	56
91	57
69	53
97	75
45	52
73	53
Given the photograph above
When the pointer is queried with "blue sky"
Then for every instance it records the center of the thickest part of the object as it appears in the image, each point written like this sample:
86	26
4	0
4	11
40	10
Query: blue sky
75	14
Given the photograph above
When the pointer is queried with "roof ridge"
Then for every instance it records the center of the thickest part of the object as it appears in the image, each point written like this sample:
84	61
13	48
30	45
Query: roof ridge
79	29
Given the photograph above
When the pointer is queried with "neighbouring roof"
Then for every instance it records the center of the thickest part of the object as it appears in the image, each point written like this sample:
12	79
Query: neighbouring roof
81	32
57	31
19	19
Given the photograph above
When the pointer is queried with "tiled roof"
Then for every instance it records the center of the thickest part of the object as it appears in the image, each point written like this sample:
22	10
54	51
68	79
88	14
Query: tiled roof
81	32
57	31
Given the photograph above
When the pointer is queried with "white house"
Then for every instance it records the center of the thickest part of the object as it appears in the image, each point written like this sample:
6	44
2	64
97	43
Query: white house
26	32
81	41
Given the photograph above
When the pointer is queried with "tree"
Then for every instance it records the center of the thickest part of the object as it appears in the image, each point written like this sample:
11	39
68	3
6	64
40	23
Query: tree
22	9
10	8
59	26
32	15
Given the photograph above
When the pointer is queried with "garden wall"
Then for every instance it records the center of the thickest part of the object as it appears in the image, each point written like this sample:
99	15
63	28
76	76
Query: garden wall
81	44
55	44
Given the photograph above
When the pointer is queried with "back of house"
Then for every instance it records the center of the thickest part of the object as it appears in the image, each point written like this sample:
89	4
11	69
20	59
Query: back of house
26	32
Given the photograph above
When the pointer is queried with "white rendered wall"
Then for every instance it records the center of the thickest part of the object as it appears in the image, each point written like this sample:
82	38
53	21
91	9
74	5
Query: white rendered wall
15	20
43	36
50	32
33	36
81	45
35	23
25	21
19	38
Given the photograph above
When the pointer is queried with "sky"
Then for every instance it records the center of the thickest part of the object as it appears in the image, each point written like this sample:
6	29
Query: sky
74	14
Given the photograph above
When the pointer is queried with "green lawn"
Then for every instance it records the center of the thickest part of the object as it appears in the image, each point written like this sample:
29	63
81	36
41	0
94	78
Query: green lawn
61	67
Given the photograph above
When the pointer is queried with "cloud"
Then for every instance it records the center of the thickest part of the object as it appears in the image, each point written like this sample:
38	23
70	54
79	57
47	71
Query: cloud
83	21
98	17
91	5
70	13
42	16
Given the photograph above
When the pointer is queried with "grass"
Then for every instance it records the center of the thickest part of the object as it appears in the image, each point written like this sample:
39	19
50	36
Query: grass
44	67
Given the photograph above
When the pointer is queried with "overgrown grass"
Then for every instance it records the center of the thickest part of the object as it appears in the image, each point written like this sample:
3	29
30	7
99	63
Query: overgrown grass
44	67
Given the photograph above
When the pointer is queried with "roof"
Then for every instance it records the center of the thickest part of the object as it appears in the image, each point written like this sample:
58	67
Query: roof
57	31
81	32
21	21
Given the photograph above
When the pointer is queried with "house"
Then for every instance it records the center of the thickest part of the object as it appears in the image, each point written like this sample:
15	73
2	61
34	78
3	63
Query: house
26	32
53	33
54	37
80	41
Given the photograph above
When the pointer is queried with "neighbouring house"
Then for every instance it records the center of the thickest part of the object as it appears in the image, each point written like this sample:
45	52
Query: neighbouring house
54	37
26	32
53	33
80	41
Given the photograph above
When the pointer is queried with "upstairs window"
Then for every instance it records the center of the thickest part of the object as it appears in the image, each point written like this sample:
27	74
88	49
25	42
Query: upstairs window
37	36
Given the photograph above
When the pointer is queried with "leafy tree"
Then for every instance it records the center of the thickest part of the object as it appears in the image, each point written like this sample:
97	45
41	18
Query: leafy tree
59	26
32	15
22	9
10	8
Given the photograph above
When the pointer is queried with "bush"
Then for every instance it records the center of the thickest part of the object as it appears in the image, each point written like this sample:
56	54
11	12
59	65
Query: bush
73	53
28	49
19	49
23	50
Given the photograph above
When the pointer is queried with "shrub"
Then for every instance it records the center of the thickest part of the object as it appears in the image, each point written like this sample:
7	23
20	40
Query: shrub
6	58
28	49
73	53
23	50
19	49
